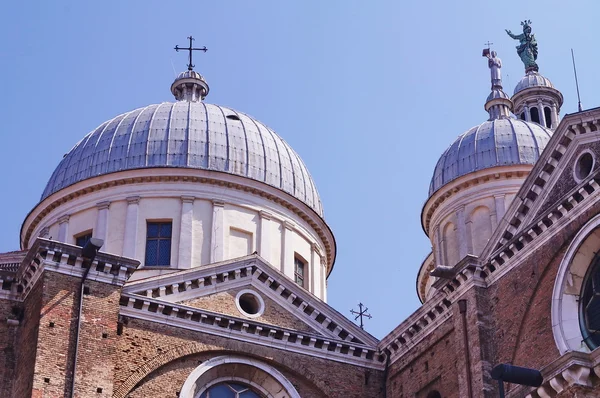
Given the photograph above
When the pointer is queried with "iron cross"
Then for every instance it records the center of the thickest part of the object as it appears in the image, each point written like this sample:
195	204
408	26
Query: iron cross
488	44
362	312
191	50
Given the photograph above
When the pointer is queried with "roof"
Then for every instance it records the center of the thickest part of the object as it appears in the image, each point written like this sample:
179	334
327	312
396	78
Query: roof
532	79
497	142
192	135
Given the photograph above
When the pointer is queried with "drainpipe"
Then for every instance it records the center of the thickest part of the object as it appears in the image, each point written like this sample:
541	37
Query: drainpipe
462	308
88	252
388	354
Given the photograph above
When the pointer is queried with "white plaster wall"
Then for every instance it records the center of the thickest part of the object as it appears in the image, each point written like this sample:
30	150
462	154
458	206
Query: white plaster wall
241	214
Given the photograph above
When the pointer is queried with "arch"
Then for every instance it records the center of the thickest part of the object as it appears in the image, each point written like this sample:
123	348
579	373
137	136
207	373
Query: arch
481	228
273	385
548	116
522	115
568	285
535	114
450	244
434	394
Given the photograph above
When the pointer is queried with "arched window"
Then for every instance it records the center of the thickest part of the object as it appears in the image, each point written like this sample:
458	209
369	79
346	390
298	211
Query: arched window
589	306
535	116
434	394
548	115
522	115
229	390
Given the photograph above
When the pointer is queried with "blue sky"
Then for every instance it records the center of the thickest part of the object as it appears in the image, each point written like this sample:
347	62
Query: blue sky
368	93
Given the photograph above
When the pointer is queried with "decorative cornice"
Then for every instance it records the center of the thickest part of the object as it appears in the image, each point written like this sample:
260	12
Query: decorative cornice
133	200
264	214
218	203
63	219
103	205
188	199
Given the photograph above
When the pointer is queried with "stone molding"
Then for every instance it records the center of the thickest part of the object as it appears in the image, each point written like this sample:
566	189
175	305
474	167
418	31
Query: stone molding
103	205
191	318
188	390
251	270
190	199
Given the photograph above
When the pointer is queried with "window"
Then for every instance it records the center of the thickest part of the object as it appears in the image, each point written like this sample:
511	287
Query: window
82	239
590	306
535	116
548	116
299	271
158	243
229	390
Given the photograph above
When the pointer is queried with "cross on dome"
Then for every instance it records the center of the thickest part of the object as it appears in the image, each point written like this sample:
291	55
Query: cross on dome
190	49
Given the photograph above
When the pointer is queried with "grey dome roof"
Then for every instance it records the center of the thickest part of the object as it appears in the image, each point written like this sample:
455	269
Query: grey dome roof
532	79
497	94
192	135
498	142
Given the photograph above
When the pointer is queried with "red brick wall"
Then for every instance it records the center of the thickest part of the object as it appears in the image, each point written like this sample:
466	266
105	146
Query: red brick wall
153	357
8	336
431	365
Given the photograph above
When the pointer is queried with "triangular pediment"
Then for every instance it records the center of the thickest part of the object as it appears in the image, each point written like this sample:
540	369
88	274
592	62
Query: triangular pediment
553	188
216	288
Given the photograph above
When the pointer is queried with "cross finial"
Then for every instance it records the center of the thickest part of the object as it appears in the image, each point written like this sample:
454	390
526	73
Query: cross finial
488	44
361	313
190	49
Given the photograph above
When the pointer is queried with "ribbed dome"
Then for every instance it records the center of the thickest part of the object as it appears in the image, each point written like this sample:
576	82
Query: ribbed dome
497	142
188	135
532	79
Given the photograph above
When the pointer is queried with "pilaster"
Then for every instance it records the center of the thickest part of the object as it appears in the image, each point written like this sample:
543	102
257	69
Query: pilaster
264	239
131	227
186	233
102	221
217	240
287	249
462	231
499	202
63	228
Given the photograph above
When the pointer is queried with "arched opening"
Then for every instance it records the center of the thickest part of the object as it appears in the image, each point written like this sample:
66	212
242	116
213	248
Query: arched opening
434	394
535	115
481	228
548	116
522	115
450	245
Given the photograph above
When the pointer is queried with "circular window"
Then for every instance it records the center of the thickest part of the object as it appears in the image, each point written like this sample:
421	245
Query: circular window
249	303
589	309
584	166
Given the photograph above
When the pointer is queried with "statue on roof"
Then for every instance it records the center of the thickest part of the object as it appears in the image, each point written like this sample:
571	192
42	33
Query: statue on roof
527	48
494	63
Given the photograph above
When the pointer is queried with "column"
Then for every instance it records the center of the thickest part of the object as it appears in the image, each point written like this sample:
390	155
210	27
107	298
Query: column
462	232
554	116
217	239
264	239
131	227
323	279
186	233
500	207
469	237
527	114
287	250
63	228
541	111
437	247
493	218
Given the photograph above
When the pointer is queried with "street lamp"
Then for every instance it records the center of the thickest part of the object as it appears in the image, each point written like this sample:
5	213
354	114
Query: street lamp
516	375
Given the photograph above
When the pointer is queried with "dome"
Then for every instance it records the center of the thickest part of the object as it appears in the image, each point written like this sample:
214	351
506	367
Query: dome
192	135
497	94
532	79
497	142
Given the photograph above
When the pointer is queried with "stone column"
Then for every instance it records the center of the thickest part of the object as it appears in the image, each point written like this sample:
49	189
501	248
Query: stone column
462	233
540	107
131	227
217	239
101	229
554	116
186	233
63	228
527	114
264	239
500	207
287	250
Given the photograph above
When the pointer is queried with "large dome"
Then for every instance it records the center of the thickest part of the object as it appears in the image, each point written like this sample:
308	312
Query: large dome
188	135
498	142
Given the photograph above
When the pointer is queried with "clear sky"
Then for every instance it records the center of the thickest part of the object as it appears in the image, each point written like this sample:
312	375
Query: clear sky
369	93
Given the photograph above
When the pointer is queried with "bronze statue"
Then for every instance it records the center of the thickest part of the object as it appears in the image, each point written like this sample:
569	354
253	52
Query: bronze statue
527	48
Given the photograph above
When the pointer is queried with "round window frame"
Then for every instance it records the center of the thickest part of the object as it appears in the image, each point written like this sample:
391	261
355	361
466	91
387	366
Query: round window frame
576	164
261	303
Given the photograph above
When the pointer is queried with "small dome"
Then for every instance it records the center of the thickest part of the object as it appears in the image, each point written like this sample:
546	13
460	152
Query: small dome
498	142
191	135
497	94
532	79
189	74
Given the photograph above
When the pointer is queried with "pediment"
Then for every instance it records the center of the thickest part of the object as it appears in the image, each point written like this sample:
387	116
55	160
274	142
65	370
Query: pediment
552	189
214	288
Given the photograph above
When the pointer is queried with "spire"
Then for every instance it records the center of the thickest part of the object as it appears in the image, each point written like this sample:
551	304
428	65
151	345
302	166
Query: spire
498	104
190	85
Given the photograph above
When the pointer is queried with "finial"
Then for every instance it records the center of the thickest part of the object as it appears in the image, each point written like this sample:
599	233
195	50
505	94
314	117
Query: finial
191	50
527	48
361	313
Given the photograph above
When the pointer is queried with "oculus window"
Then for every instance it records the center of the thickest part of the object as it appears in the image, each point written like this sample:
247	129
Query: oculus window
229	390
158	243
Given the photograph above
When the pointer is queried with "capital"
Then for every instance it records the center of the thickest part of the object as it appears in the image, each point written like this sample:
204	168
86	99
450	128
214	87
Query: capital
103	205
133	200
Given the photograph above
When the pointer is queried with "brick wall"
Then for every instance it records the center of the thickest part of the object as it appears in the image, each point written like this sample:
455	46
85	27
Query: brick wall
8	335
274	314
154	357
